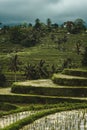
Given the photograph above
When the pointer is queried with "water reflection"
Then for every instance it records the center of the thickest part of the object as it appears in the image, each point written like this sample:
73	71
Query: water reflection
70	120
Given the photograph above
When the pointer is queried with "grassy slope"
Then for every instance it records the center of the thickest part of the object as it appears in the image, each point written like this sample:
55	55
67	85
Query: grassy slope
47	51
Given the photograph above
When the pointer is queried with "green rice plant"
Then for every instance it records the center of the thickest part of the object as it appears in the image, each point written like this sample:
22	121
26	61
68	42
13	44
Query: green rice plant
69	80
23	122
36	99
7	106
75	72
51	91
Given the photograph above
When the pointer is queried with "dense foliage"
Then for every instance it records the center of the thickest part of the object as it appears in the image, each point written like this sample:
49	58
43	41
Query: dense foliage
60	46
75	27
30	35
40	70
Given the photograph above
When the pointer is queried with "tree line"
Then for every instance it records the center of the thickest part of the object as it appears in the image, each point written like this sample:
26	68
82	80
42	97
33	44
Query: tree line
30	35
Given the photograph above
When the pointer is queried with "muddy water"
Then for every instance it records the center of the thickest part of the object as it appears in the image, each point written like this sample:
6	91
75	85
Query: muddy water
70	120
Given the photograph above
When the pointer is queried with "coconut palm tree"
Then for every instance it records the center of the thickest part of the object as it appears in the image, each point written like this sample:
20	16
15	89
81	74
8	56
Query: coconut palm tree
14	65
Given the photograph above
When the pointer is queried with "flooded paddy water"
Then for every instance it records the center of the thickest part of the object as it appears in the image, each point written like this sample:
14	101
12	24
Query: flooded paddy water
12	118
68	120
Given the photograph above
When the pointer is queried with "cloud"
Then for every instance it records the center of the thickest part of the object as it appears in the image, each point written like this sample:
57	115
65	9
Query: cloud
29	10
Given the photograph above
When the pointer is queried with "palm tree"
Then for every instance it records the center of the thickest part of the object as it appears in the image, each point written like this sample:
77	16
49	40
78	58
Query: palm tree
49	22
37	24
14	65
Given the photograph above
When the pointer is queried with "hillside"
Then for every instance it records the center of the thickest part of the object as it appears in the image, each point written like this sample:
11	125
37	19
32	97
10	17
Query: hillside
46	50
63	91
57	48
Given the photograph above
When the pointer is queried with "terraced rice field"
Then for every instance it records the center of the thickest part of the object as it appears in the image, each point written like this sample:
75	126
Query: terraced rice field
71	120
44	90
12	118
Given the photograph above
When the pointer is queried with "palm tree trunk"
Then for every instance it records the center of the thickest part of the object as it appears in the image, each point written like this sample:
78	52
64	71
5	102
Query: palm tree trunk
15	77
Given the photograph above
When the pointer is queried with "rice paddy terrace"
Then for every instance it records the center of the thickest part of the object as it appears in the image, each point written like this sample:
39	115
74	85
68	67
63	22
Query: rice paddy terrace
71	120
24	102
71	83
67	90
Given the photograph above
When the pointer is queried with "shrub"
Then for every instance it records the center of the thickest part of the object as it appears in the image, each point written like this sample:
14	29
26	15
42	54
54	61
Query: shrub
26	121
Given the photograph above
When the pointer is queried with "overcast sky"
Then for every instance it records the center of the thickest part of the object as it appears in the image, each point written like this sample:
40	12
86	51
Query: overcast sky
28	10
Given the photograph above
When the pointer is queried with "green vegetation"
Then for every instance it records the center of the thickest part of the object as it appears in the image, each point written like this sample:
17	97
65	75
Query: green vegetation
36	116
25	99
75	27
37	107
50	90
38	53
55	59
75	72
7	106
48	42
84	60
69	80
39	71
2	80
2	77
